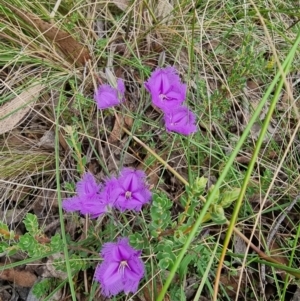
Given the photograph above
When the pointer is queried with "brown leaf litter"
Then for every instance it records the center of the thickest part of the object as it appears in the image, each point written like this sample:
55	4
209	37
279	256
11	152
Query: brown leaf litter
21	278
73	50
12	112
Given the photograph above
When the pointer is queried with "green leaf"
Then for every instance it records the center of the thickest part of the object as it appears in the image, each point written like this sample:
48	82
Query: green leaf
154	233
76	263
56	243
5	232
3	247
216	197
199	185
31	223
69	186
218	215
137	241
180	237
3	227
228	197
12	250
182	270
28	244
42	288
165	246
161	201
163	264
166	260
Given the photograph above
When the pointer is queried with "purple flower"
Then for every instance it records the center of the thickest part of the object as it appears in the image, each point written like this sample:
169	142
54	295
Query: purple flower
121	269
131	191
104	202
180	120
166	88
107	96
88	200
86	188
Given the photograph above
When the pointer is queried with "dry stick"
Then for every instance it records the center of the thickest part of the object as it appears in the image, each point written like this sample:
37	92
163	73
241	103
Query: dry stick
274	231
163	162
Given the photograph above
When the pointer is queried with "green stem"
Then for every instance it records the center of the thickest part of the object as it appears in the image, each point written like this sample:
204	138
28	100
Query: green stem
61	219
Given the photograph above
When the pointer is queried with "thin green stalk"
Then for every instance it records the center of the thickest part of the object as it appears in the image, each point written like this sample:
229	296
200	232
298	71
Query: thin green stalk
26	261
102	164
286	68
224	173
61	219
205	274
49	297
292	271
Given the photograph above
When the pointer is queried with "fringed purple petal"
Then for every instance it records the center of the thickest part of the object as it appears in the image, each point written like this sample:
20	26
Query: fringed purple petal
132	190
72	204
180	120
121	269
166	88
87	186
107	96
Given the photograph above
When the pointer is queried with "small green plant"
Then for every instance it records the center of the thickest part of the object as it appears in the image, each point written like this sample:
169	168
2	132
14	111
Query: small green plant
34	242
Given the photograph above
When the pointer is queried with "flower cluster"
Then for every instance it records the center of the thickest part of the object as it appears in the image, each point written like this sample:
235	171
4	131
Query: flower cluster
127	192
121	269
167	92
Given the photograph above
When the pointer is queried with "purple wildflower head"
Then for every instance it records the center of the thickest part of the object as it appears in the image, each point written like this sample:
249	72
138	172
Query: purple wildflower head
166	88
180	120
132	192
86	189
105	200
121	269
88	200
107	96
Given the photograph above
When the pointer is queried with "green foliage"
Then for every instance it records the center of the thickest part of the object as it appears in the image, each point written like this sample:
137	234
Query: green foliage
5	232
77	263
75	144
3	246
32	242
165	255
44	287
137	241
56	243
177	293
100	46
229	196
217	214
160	213
217	195
31	246
188	258
70	186
31	224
